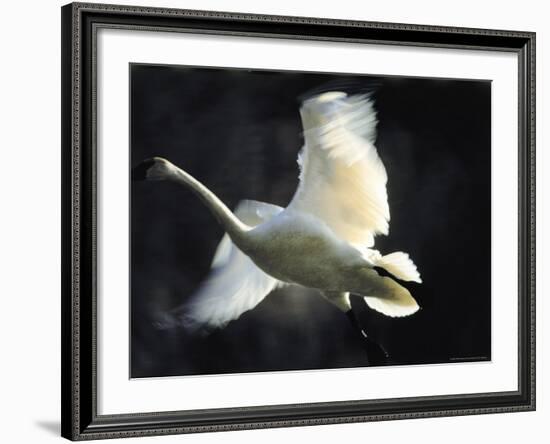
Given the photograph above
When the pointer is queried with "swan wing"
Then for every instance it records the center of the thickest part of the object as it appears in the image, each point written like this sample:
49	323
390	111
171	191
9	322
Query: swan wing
228	292
235	284
342	178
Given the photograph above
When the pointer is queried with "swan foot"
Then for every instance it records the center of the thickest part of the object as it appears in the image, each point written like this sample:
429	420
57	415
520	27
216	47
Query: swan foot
376	353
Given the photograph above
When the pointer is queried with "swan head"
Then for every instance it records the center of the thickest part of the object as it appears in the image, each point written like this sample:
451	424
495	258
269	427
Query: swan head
155	168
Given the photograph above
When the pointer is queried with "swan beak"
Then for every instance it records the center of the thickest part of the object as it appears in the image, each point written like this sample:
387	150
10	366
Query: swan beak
139	172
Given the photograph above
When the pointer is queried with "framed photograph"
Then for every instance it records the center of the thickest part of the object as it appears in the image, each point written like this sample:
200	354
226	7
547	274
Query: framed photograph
279	221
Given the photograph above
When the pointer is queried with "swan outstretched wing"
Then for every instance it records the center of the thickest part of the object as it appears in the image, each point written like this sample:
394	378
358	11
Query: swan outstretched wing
235	284
342	178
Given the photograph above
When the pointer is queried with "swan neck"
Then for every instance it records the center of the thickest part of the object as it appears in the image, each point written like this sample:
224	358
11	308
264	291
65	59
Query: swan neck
231	224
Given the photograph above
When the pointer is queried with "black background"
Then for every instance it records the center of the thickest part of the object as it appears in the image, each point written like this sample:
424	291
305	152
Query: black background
239	133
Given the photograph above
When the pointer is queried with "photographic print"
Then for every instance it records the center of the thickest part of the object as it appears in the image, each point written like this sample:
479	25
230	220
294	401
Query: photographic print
301	221
274	221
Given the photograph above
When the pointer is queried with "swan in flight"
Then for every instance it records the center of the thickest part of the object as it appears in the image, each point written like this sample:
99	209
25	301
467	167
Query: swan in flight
323	239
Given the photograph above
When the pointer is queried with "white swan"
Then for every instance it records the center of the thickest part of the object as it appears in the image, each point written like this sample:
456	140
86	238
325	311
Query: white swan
323	239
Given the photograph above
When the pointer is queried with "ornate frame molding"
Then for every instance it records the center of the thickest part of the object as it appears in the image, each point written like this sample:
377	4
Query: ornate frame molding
80	420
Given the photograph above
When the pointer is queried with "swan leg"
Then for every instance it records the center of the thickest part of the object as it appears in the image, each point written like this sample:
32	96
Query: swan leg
376	353
338	298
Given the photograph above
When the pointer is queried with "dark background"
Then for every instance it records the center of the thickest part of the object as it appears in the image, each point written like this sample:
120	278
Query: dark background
239	133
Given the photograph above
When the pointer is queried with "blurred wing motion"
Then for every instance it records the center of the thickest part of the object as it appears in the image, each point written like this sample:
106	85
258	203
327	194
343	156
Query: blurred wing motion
235	284
342	179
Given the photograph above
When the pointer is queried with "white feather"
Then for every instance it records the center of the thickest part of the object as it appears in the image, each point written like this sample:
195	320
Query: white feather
404	305
342	179
235	284
228	292
400	265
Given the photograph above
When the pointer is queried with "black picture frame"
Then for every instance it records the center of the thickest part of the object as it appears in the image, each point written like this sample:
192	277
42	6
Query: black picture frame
80	419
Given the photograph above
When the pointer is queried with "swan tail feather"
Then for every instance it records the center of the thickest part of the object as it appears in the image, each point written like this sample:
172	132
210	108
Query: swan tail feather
400	265
392	299
385	295
394	308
